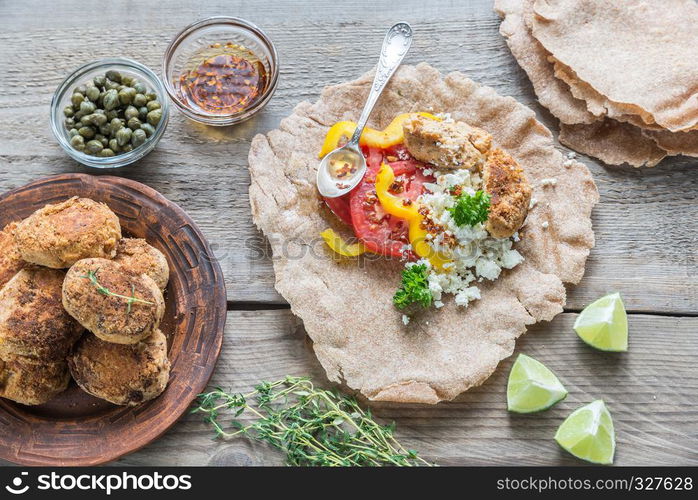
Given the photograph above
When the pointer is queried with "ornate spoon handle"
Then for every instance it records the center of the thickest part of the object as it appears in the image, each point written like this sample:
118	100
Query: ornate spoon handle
397	42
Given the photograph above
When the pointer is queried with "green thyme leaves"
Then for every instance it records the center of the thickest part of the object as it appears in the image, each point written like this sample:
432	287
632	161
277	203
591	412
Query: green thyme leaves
471	209
313	427
414	288
92	276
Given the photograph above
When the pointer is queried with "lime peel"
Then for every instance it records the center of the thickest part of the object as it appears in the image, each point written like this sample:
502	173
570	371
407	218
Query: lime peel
588	433
532	386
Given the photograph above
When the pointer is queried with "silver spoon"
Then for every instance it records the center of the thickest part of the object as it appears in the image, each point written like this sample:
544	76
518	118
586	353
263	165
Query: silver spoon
342	169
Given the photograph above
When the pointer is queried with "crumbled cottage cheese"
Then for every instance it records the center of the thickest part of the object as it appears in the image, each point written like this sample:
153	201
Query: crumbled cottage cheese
475	254
548	182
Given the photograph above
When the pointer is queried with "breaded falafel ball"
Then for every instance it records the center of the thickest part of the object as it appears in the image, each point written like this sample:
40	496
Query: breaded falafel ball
136	255
31	382
33	322
11	261
115	304
121	374
59	235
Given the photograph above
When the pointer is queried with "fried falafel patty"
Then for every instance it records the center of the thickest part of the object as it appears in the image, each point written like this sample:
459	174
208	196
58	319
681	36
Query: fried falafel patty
136	255
121	374
33	322
11	261
112	302
31	382
59	235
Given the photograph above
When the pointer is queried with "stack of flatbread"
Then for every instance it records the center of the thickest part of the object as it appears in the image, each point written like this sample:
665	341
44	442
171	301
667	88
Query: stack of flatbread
622	77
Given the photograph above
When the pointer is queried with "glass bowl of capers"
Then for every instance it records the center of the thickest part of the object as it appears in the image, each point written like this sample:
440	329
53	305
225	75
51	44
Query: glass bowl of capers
109	113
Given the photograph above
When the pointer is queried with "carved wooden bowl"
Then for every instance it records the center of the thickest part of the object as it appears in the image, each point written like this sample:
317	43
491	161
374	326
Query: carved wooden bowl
76	428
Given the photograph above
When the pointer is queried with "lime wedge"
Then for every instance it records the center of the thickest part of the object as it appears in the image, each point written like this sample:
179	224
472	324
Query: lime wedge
588	434
532	387
603	324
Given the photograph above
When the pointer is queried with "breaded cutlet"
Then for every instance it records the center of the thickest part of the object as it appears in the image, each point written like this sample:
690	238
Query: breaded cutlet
33	322
59	235
121	374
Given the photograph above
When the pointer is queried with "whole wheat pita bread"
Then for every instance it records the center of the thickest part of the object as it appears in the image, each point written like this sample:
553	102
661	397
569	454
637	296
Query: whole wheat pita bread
625	145
675	143
346	306
532	57
612	142
640	55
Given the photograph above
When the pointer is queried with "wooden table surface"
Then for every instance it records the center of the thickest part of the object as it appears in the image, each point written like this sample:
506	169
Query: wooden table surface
646	225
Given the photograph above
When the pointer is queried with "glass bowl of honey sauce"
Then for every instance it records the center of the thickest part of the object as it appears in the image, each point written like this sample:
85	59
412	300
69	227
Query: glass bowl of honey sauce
221	70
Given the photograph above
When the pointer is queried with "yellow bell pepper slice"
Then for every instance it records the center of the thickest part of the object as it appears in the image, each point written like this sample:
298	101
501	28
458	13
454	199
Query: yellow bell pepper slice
389	136
394	205
341	247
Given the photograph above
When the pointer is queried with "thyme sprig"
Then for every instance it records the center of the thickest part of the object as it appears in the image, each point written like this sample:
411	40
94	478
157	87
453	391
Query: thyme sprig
92	276
314	427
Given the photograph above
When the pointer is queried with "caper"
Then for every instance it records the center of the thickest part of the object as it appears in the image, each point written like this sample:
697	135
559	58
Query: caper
123	136
69	123
127	148
114	145
126	95
142	113
148	129
105	129
134	123
151	96
99	111
80	89
73	132
99	81
110	85
130	112
115	124
93	94
138	137
106	152
101	138
86	132
153	105
139	100
113	75
111	100
94	146
154	117
112	114
78	115
86	120
78	142
68	111
140	87
98	119
87	107
77	99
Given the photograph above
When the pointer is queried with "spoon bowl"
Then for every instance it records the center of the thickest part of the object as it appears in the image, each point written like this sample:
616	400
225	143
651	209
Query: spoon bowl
342	169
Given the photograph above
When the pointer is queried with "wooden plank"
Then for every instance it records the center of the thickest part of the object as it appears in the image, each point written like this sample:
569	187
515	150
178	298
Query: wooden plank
650	390
640	251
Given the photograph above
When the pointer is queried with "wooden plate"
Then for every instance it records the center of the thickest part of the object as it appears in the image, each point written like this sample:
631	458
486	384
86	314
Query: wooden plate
76	428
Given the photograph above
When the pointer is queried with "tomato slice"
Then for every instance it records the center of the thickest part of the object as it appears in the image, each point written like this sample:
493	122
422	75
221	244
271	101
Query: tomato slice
340	207
381	232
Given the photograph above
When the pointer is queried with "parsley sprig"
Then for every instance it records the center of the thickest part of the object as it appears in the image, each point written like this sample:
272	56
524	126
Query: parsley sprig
471	209
313	427
92	276
414	288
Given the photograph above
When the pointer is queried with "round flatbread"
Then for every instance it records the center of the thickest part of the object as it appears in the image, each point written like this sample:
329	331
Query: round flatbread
346	306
